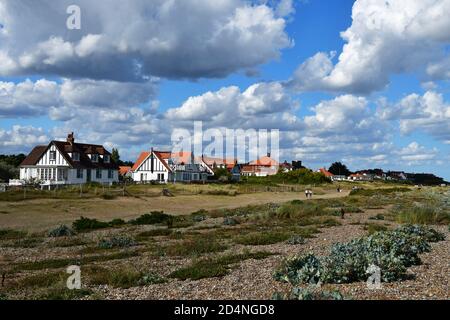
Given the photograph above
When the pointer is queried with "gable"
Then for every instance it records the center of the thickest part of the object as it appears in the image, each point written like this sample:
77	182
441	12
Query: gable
45	158
146	163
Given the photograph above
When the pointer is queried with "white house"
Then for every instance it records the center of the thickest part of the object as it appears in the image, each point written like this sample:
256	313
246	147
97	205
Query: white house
67	162
164	167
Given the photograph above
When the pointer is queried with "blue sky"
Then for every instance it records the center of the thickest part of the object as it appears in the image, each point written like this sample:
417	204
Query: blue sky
379	100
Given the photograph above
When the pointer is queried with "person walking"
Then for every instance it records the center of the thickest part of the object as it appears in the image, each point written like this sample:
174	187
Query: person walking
342	213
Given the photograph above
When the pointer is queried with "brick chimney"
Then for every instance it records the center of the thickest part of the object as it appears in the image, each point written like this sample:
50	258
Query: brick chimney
71	138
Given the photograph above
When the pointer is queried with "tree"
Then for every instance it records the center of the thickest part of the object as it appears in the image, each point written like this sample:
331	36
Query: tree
115	156
340	169
222	174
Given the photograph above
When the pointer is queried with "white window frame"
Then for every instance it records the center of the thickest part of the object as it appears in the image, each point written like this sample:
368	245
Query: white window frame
75	156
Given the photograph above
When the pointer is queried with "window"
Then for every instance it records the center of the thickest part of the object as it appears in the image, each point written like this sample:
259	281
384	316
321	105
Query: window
94	157
98	174
79	173
106	158
52	155
110	174
76	156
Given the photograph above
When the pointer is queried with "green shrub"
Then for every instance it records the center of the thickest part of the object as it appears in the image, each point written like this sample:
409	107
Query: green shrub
295	240
215	267
154	217
61	231
8	234
230	221
195	246
86	224
262	238
117	223
143	236
300	269
392	251
374	227
151	278
116	242
379	216
309	294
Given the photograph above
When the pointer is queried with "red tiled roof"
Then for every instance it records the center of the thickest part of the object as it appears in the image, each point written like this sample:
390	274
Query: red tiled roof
326	173
140	159
265	161
123	170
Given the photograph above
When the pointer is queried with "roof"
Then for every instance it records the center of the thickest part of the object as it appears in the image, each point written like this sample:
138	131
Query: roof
164	156
210	161
123	170
34	156
251	168
66	147
265	161
325	172
140	160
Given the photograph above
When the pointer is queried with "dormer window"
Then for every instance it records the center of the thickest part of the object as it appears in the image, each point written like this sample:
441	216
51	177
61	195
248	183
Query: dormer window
75	156
94	157
106	158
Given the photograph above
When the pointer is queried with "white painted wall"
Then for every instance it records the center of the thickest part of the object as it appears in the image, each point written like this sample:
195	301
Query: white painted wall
45	159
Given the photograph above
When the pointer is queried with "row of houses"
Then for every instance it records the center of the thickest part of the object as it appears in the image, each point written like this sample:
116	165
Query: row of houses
69	162
372	175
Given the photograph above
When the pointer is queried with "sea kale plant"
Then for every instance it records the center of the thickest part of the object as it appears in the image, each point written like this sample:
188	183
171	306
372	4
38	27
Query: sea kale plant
392	251
116	242
61	231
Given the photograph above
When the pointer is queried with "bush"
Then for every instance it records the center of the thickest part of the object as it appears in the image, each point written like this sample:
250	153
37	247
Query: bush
154	217
302	269
8	234
230	221
295	240
117	223
86	224
374	227
199	216
61	231
196	246
262	239
392	251
151	278
309	294
116	242
379	216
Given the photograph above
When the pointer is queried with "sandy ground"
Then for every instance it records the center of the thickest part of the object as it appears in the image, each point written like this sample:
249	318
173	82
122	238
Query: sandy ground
39	215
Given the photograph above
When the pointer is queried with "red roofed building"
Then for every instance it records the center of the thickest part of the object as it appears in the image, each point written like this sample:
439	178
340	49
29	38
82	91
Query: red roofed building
165	166
326	173
263	167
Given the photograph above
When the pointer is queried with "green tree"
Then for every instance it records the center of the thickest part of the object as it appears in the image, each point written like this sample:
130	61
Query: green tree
222	174
338	168
115	156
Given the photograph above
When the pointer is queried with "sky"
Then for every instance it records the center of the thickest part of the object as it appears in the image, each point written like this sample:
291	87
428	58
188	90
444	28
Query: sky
363	82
